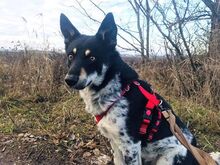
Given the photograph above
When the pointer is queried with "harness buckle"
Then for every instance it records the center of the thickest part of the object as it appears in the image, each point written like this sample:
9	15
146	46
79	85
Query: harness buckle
136	83
127	88
160	105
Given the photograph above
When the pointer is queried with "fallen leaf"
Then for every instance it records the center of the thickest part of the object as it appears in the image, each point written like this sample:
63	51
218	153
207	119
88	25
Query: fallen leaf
3	149
96	152
86	154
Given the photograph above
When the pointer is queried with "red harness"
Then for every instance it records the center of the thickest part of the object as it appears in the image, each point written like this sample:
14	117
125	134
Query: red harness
152	104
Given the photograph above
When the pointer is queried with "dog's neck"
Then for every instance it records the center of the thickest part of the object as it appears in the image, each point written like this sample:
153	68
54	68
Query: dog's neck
98	101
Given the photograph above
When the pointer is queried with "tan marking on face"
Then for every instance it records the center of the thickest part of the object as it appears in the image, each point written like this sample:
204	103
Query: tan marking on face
87	52
74	50
83	73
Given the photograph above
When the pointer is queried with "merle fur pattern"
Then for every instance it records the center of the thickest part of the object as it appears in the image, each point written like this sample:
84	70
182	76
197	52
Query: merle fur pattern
97	70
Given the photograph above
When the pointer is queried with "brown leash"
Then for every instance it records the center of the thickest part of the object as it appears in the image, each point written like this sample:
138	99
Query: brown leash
201	156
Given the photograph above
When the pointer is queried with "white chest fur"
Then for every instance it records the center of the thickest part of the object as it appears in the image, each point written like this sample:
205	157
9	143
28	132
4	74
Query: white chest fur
113	124
97	102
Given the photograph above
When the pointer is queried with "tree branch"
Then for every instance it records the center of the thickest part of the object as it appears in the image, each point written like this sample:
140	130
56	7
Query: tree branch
85	13
182	35
210	4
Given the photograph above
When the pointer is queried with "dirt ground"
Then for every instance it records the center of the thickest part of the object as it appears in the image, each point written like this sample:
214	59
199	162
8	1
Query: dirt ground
51	133
25	148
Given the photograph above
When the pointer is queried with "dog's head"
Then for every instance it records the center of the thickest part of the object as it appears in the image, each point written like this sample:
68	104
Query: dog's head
88	56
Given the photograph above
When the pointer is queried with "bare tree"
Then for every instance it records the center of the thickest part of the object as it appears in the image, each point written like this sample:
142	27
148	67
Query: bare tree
174	21
180	27
142	29
214	43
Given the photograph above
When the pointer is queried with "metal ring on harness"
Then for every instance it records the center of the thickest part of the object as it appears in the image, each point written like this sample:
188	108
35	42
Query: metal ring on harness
136	83
127	88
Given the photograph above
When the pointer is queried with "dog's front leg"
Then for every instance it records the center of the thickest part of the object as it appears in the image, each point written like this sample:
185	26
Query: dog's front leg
118	156
131	153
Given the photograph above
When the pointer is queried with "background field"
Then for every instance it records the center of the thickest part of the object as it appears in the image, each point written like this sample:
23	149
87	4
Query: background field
44	122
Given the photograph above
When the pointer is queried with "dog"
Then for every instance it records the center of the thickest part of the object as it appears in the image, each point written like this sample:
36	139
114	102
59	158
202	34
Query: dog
99	73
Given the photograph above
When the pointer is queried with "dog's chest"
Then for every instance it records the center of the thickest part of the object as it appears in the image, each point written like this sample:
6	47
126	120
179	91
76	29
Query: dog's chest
113	123
98	101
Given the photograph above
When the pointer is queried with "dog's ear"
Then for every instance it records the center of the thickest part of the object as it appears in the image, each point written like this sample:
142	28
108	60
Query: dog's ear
68	30
108	31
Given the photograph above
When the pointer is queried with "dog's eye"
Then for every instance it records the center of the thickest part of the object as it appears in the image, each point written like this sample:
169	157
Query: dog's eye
92	58
87	52
74	50
70	57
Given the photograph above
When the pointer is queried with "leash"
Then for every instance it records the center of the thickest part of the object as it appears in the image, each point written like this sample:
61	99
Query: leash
201	156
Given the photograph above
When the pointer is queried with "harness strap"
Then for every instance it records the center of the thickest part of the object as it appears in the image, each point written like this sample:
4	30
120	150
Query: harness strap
201	156
100	116
152	103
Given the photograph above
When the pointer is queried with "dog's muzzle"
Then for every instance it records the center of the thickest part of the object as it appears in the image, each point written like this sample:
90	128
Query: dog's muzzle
71	80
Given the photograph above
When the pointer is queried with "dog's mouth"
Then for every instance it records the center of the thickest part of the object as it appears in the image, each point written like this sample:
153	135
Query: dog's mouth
81	82
81	85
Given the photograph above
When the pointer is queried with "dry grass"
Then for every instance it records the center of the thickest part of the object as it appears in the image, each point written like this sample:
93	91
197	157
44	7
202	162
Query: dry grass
34	97
31	73
179	80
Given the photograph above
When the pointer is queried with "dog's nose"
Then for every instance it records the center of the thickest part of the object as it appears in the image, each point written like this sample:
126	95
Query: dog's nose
71	80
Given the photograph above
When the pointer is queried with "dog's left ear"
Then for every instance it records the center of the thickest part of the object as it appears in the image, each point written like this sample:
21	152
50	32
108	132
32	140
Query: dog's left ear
108	31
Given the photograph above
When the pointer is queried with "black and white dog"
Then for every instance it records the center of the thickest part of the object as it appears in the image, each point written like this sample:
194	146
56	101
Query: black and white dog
97	70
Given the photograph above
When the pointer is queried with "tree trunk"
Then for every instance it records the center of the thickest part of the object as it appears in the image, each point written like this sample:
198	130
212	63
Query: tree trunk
214	43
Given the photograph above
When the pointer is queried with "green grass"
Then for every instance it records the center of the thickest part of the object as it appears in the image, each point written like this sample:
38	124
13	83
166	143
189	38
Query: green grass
203	122
67	115
44	117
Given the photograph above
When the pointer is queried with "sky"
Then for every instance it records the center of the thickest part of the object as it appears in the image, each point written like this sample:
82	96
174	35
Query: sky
35	24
